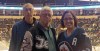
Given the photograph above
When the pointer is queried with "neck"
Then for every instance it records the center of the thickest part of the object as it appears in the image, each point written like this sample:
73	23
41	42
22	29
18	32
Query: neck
69	31
44	25
29	21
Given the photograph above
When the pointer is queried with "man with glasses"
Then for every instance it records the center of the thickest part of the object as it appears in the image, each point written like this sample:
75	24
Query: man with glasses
41	37
21	27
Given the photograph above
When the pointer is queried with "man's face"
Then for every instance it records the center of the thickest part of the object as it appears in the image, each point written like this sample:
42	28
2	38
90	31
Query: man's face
46	17
28	13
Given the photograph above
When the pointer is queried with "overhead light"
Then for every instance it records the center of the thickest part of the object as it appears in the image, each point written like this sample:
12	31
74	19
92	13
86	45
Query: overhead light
54	8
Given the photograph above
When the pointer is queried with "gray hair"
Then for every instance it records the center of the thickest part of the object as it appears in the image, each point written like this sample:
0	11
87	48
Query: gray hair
28	4
47	8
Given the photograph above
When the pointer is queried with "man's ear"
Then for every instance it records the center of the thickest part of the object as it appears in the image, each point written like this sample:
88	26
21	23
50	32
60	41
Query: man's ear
39	14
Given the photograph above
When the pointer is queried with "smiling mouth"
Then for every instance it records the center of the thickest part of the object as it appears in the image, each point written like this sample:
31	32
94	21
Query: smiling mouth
68	24
29	15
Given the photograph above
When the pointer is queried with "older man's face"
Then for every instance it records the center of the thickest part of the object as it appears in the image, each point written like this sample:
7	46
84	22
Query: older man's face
46	17
28	11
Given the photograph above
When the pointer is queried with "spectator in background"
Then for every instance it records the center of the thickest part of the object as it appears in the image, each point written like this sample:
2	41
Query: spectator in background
8	32
73	38
41	37
21	27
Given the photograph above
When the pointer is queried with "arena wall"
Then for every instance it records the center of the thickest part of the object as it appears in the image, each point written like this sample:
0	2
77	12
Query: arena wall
54	17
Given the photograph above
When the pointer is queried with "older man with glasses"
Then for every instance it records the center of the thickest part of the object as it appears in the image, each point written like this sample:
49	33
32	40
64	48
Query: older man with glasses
21	27
41	37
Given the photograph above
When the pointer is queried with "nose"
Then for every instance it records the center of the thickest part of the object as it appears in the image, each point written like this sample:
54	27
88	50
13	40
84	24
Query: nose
68	20
48	16
28	11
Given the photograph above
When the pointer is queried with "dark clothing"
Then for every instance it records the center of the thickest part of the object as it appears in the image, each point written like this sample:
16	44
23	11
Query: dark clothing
39	39
76	42
18	32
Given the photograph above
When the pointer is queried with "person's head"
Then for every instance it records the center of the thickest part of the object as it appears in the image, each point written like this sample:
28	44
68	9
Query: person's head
68	20
28	11
46	16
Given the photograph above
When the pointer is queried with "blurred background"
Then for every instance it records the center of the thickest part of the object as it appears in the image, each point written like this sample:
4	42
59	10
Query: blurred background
87	12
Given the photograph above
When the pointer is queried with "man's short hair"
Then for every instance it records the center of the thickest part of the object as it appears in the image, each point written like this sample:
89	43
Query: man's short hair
47	8
27	4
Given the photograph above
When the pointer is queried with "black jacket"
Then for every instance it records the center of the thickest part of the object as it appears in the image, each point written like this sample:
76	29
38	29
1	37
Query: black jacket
18	32
38	38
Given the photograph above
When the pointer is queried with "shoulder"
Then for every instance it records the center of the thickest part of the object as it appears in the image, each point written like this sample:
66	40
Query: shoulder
61	34
60	37
18	23
79	30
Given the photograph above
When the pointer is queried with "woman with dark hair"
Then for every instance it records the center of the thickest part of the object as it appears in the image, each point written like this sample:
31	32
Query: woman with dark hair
73	38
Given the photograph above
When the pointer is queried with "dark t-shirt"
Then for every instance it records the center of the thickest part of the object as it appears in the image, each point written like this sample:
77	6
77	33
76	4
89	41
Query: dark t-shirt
76	42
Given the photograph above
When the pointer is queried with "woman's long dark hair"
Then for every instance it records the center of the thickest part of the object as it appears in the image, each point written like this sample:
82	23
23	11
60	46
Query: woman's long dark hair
74	17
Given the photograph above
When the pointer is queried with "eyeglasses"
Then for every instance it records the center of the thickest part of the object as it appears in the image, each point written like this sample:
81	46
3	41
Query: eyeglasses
68	19
47	15
27	9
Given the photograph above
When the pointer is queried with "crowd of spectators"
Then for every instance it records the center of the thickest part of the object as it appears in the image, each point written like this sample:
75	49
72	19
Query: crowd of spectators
91	26
56	12
5	28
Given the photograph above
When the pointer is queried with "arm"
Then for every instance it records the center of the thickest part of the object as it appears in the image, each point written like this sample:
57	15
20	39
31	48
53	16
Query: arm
83	41
13	40
27	42
87	44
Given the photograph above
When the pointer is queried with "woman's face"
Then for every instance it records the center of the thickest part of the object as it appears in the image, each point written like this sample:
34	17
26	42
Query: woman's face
68	20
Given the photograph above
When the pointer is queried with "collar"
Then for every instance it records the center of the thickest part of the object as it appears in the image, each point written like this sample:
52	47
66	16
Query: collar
41	27
28	23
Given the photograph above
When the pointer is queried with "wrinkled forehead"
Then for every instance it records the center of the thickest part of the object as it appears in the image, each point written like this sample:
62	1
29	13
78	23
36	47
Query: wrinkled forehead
46	12
68	15
28	6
